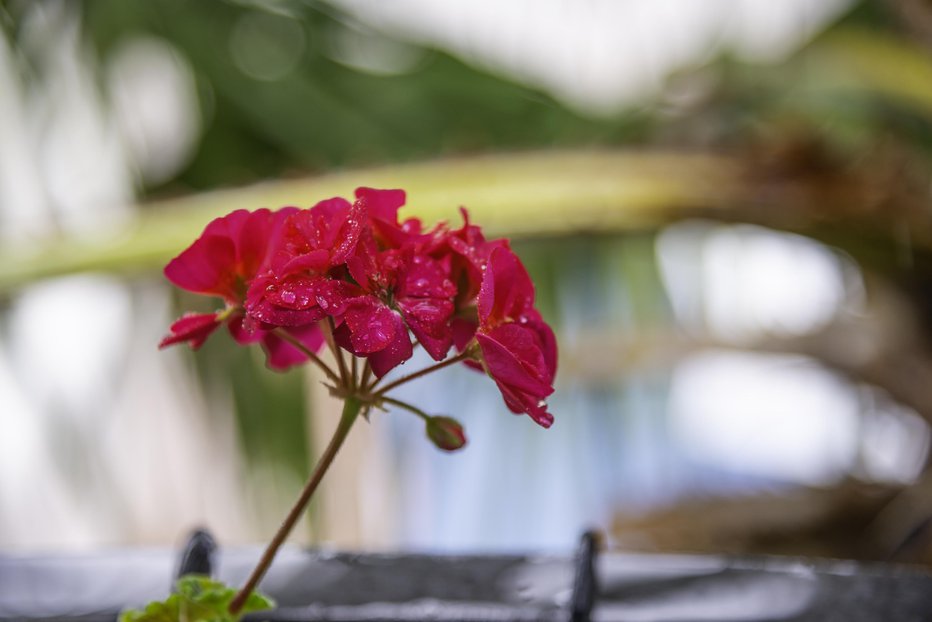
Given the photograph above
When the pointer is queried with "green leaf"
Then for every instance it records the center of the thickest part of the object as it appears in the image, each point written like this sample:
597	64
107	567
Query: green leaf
197	599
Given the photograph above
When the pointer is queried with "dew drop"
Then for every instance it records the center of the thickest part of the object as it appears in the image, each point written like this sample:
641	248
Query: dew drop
288	297
542	404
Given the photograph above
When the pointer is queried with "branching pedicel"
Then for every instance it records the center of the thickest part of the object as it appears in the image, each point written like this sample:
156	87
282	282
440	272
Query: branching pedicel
352	277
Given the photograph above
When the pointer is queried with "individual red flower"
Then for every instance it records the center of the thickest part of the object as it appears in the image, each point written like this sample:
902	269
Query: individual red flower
425	294
222	262
519	350
419	298
297	288
467	251
402	288
470	252
374	331
319	238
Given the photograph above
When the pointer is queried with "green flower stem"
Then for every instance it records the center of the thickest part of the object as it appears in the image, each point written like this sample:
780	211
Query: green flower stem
351	408
364	382
310	354
462	356
327	328
409	407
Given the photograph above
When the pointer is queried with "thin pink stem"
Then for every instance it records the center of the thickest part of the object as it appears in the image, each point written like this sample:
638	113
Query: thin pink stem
404	379
309	353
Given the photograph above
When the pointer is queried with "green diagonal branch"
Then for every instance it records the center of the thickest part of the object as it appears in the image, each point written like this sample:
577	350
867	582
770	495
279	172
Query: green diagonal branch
525	194
542	193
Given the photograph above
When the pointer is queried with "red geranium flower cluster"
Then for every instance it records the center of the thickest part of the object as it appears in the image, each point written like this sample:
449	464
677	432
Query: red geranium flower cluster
353	270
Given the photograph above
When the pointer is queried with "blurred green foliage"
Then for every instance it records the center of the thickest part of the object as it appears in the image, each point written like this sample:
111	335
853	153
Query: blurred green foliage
197	599
323	113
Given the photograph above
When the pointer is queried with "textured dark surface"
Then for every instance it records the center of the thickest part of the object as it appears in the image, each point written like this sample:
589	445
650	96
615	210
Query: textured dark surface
317	585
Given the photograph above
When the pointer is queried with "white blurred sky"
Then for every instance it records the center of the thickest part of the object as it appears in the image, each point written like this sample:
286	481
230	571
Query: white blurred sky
598	55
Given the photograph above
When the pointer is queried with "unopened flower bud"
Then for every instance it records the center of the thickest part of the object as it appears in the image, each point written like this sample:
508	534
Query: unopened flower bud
446	433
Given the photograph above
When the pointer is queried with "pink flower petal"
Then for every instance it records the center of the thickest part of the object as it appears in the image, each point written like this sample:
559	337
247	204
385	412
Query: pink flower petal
281	355
397	351
429	320
193	328
531	319
470	253
513	356
289	301
381	204
463	332
376	271
245	330
317	261
381	209
206	267
333	296
372	325
425	277
425	297
232	250
259	236
506	291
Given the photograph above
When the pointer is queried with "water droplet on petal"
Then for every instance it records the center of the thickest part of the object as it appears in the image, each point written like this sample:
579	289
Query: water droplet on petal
542	404
288	297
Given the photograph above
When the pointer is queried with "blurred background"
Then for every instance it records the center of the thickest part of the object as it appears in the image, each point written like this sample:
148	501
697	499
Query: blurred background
725	207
